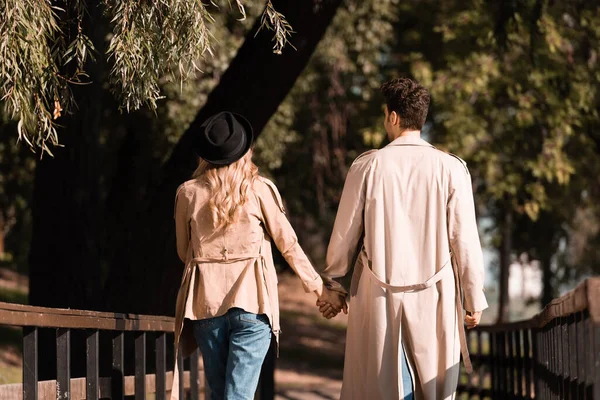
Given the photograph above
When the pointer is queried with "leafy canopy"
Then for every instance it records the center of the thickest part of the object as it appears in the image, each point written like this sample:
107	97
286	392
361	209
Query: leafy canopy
45	50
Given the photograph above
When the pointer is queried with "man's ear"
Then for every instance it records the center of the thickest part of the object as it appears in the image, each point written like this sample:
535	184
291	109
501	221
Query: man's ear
394	118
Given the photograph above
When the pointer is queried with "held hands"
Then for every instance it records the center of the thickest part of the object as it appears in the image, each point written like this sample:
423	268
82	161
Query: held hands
330	303
472	319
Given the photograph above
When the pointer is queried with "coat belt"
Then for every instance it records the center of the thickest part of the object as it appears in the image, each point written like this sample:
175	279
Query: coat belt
225	259
438	276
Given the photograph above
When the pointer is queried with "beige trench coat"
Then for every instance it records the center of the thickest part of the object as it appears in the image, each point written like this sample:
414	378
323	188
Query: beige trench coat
405	219
232	267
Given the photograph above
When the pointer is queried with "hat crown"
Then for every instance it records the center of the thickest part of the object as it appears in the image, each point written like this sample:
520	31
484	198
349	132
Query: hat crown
221	130
224	138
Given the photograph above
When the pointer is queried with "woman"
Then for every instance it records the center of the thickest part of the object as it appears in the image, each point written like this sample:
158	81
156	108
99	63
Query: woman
226	217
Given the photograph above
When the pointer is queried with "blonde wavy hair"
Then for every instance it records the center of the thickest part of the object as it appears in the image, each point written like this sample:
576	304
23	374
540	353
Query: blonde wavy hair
229	185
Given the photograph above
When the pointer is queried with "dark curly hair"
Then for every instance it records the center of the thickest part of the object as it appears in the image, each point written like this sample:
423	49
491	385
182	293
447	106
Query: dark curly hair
409	99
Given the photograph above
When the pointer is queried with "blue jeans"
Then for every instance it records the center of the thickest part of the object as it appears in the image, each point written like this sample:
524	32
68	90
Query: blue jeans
406	379
233	348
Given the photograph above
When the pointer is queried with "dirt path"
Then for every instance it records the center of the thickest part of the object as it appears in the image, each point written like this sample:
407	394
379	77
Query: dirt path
311	358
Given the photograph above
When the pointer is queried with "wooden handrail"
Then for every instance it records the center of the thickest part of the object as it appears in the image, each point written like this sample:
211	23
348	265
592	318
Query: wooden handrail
586	296
23	315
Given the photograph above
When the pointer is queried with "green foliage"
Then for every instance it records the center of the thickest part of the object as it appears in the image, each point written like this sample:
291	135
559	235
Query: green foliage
515	92
152	40
45	50
276	22
33	88
17	296
518	110
17	167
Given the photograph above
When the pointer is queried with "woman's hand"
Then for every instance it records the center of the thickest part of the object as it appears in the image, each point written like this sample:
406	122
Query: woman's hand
330	303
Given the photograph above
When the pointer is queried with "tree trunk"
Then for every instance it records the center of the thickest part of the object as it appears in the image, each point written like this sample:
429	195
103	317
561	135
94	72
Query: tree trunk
505	261
146	273
64	268
2	234
65	259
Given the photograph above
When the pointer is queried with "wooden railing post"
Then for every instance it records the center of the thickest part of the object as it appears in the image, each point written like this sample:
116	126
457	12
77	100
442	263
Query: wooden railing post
92	345
519	361
161	366
538	344
30	363
63	364
553	386
481	370
589	356
118	370
528	345
140	366
563	371
581	357
502	361
573	358
494	365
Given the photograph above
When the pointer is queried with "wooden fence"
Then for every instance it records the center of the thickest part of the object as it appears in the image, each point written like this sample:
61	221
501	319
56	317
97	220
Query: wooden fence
93	386
554	355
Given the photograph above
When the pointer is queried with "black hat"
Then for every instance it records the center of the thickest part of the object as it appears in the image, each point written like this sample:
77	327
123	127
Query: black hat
224	138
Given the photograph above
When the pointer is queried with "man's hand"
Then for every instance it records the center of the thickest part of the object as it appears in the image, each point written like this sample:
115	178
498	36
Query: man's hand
472	319
330	303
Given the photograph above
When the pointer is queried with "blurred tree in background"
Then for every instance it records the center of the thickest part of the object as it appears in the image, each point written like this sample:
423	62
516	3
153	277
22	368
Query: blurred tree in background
517	96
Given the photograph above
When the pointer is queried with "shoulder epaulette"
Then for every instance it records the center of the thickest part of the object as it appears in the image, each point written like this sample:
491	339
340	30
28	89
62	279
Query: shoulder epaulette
364	154
274	191
179	189
463	162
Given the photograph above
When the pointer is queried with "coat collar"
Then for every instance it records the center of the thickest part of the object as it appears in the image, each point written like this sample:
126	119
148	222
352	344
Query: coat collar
409	141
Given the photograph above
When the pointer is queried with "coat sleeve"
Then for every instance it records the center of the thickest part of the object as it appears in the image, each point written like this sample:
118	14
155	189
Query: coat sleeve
282	233
464	240
349	225
182	223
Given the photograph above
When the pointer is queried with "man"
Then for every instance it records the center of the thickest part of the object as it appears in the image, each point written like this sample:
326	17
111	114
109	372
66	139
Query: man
406	222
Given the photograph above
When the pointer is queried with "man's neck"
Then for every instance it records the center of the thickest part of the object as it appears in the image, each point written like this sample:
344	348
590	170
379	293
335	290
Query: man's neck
408	134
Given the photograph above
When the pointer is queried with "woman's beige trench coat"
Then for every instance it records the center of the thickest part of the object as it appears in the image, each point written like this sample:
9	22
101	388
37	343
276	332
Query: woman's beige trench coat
232	267
407	217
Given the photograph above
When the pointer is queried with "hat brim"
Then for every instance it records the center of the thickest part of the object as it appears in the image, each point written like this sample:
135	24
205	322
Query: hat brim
230	159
